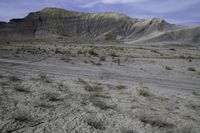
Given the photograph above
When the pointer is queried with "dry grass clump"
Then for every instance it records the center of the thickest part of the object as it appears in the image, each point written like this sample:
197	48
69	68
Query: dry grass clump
118	61
185	128
22	115
21	88
44	78
121	87
143	91
66	59
101	95
48	99
14	78
96	101
52	96
154	121
193	106
172	49
93	53
96	123
80	80
96	63
196	93
113	54
93	88
43	104
127	130
1	76
102	58
155	51
109	37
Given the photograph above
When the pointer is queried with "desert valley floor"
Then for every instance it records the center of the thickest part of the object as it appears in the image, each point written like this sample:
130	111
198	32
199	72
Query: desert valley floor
53	87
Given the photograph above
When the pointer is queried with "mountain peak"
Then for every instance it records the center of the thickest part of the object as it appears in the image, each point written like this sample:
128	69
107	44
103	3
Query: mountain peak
51	11
157	20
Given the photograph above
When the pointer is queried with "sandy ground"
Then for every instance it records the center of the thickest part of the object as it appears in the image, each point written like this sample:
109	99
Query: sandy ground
86	88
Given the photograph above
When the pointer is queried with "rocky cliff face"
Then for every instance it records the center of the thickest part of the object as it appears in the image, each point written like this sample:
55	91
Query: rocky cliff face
54	22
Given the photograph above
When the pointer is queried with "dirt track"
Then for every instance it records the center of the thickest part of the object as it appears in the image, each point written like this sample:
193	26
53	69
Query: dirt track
95	73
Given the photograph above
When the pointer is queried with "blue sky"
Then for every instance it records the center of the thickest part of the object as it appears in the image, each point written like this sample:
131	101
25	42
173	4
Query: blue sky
174	11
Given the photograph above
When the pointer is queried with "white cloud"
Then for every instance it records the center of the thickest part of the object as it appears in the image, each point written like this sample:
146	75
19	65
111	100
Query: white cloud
168	6
91	4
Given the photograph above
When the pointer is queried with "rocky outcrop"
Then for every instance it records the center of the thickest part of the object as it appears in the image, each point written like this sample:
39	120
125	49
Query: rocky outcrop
54	22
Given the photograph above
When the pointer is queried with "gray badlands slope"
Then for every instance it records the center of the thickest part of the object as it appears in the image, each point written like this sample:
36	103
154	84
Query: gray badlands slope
54	22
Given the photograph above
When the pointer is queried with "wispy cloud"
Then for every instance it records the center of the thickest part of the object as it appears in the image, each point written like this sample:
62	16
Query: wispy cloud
91	4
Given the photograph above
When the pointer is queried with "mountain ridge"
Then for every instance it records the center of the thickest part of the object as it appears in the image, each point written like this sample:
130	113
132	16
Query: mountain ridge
87	27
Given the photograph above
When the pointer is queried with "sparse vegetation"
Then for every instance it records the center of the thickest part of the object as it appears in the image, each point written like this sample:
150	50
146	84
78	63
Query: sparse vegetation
69	93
